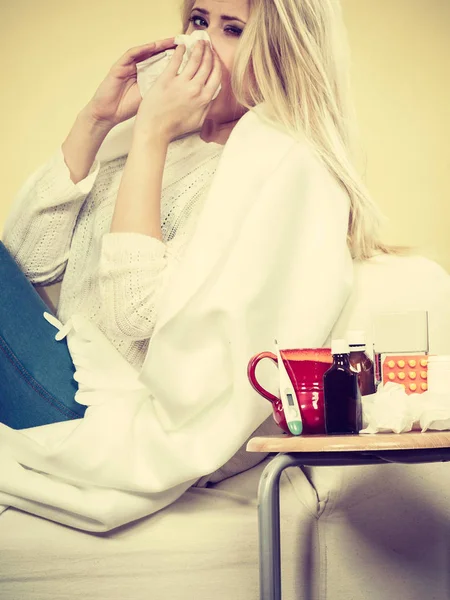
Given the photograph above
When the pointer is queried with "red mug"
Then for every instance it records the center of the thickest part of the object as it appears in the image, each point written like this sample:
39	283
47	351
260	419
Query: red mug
306	368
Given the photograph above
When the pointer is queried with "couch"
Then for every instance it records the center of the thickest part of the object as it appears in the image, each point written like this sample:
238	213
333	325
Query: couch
363	532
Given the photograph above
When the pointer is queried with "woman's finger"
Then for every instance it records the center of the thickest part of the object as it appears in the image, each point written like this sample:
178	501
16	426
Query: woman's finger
140	53
206	66
195	60
215	79
175	62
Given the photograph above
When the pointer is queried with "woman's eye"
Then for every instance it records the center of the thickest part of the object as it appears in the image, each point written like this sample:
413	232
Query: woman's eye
195	20
234	31
200	22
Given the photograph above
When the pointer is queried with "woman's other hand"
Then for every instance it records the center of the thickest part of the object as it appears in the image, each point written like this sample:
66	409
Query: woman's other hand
178	104
118	97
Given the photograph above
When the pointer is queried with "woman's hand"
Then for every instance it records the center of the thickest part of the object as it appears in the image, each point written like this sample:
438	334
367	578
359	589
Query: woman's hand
118	97
178	104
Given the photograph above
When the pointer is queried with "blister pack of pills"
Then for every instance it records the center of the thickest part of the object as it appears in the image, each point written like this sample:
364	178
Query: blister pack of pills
409	370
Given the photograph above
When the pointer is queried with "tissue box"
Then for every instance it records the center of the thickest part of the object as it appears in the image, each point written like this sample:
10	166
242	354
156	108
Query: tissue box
408	370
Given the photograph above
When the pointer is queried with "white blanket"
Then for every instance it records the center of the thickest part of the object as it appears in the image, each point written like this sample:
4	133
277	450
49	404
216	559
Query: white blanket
269	259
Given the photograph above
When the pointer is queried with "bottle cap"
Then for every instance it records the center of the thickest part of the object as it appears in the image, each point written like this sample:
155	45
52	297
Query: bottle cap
339	347
356	339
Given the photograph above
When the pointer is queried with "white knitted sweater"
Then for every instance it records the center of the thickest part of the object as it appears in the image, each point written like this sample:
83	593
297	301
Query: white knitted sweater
60	230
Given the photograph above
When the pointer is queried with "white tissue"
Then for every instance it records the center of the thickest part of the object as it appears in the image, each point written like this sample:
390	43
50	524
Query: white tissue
391	409
149	70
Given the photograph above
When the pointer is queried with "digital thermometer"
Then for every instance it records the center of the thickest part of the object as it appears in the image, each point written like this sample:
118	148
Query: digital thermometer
289	401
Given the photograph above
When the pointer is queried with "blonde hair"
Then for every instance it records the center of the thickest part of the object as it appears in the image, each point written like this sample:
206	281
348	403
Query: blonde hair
294	57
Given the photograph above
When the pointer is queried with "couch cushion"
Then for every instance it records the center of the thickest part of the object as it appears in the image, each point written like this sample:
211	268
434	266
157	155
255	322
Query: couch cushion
384	531
203	546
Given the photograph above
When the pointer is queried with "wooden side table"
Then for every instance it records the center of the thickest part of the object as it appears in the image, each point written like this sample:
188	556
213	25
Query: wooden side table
326	451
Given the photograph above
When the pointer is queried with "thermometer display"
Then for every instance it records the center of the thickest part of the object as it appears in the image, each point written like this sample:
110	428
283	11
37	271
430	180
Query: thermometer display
290	399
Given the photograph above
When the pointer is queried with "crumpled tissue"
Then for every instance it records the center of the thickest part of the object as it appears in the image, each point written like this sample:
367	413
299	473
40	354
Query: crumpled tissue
151	68
118	141
391	409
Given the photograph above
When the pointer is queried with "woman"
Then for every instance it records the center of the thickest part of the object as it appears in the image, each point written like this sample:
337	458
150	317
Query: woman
113	233
230	223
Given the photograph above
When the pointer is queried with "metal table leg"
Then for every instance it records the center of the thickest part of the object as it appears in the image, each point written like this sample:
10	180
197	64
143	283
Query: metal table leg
269	525
269	498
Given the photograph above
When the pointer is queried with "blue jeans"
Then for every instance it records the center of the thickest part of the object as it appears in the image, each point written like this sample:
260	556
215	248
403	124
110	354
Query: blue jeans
36	371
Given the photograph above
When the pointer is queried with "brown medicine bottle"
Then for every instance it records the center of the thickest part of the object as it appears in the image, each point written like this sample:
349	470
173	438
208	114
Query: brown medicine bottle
361	363
342	398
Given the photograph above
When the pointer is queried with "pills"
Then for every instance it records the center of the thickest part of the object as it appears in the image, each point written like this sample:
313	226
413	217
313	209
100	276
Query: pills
410	371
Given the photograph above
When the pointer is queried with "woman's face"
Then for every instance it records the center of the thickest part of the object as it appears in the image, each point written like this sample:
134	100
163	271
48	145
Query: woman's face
224	21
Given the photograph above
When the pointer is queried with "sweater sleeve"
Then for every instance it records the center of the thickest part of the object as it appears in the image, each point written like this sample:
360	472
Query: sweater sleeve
39	228
133	268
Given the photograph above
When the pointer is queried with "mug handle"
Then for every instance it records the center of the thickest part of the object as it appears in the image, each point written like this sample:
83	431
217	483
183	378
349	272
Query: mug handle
251	372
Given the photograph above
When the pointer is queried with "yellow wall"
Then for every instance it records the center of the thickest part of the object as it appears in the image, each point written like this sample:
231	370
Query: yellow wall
54	53
400	51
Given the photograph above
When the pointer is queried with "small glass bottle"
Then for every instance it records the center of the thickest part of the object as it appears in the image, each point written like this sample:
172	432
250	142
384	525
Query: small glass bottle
361	363
342	398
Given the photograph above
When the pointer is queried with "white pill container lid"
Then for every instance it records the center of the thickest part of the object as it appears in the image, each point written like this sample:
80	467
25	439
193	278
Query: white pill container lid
339	347
439	364
356	338
439	374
